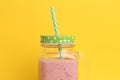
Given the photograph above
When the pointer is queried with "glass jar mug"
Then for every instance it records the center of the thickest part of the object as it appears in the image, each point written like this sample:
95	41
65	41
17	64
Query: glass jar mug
51	65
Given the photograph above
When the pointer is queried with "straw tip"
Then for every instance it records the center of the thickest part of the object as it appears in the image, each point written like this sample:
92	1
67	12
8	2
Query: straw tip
52	7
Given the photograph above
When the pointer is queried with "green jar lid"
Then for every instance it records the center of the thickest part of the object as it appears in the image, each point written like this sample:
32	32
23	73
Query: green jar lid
58	39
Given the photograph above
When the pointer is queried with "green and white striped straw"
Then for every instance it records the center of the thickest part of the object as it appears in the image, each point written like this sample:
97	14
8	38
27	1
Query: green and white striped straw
55	21
56	30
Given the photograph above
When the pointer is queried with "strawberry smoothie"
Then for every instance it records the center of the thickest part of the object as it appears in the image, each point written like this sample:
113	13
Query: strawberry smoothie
57	69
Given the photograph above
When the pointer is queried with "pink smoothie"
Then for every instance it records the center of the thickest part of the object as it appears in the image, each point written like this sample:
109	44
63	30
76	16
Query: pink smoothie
56	69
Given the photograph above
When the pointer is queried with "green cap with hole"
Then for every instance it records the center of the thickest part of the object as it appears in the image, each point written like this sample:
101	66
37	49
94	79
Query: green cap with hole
58	39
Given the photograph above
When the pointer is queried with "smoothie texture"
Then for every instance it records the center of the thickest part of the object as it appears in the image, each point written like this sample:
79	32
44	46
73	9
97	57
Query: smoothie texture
57	69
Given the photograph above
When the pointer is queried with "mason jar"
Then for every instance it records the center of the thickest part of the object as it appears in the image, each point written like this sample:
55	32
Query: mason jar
58	59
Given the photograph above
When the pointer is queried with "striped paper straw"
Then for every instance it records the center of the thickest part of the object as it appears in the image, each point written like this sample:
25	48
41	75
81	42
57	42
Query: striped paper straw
55	21
56	30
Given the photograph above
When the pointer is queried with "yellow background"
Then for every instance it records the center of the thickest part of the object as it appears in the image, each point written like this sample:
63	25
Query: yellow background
95	23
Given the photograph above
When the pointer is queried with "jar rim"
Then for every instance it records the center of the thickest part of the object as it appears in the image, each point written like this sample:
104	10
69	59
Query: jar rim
48	45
